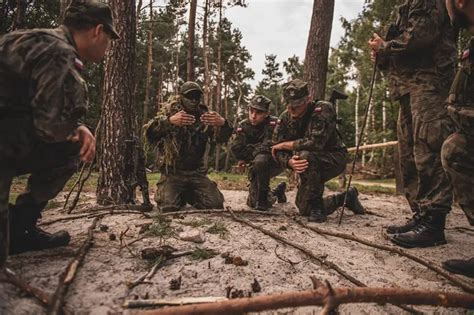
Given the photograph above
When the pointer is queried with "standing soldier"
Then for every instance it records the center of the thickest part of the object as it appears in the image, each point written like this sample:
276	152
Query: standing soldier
307	141
419	56
42	96
253	144
458	149
180	131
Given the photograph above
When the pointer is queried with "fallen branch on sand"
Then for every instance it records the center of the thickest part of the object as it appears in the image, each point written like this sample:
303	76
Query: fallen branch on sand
219	211
67	277
455	280
323	296
12	278
320	259
176	301
93	215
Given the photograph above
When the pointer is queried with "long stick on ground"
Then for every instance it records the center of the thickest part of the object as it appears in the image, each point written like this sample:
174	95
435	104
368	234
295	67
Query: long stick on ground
67	277
12	278
92	215
455	280
218	211
322	296
309	253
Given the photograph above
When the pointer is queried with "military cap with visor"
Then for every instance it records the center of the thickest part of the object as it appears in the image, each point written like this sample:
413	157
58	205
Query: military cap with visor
260	102
93	12
190	88
294	92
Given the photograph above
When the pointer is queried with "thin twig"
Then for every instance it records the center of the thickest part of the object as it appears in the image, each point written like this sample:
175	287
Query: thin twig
12	278
81	186
93	215
455	280
74	186
285	259
67	277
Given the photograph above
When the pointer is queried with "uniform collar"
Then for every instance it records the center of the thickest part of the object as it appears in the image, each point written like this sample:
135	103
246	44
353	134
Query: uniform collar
67	33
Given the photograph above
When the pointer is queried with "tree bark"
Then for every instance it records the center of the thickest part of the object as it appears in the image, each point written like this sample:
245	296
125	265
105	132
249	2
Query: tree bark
191	36
63	4
19	21
207	78
219	82
317	49
118	139
149	68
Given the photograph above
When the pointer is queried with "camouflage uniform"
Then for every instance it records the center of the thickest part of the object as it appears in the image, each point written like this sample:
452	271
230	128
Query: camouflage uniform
252	144
316	140
458	150
420	58
180	154
42	97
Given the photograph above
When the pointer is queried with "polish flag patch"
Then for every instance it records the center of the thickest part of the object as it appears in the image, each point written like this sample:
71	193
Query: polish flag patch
273	123
239	130
318	110
465	54
78	64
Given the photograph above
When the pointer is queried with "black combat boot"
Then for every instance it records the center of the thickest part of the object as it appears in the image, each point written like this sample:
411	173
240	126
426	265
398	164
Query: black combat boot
317	215
263	202
398	229
353	202
279	192
459	266
428	232
26	236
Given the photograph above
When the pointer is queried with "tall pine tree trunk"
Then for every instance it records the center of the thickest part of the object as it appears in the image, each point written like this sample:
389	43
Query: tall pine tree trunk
317	49
118	143
191	35
19	21
219	82
207	78
63	4
148	98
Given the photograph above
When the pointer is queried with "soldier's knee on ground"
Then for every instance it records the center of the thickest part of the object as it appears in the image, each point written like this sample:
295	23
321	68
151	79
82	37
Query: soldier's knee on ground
261	162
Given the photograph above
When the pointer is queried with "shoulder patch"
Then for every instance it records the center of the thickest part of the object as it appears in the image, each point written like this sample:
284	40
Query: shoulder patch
239	130
465	54
78	64
273	123
317	110
278	122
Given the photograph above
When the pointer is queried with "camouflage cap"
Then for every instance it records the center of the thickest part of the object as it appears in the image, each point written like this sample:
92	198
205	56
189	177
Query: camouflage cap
260	102
188	87
93	12
295	91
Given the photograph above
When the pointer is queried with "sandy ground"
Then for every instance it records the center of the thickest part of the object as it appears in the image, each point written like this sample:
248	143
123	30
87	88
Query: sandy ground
100	286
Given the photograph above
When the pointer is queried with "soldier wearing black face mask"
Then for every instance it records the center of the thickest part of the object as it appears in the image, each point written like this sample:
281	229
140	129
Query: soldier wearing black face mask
458	150
180	132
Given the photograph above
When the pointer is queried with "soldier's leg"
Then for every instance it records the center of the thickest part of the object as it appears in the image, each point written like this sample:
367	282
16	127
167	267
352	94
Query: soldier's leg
431	126
458	161
261	173
5	182
51	166
170	193
205	194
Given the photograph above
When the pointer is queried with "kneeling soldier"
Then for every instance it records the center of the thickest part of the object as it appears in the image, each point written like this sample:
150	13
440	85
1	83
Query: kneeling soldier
306	140
252	144
180	132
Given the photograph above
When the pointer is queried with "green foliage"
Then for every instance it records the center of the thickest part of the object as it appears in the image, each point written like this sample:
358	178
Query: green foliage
270	84
197	222
203	253
161	228
218	228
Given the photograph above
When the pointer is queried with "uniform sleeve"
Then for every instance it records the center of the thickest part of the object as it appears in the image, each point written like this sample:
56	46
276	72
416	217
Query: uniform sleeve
240	148
423	29
60	96
224	133
323	125
157	127
280	134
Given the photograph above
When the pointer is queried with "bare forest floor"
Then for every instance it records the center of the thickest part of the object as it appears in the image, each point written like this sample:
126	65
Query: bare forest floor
101	287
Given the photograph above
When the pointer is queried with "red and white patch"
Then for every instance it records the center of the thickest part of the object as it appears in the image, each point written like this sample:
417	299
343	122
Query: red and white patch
273	122
239	130
78	64
279	122
318	110
465	54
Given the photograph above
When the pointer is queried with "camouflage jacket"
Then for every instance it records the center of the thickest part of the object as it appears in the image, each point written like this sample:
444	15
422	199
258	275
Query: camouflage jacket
422	52
461	95
40	77
251	140
182	148
315	131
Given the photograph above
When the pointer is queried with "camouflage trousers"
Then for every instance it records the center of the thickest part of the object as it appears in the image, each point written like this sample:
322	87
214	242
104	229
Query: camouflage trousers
174	191
423	125
323	166
262	170
458	161
50	166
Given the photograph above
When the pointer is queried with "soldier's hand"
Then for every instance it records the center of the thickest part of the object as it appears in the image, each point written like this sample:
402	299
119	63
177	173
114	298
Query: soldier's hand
87	140
376	42
298	165
212	119
241	165
287	145
181	119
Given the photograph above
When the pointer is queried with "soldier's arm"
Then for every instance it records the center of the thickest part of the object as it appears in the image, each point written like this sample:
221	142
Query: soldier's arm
280	135
158	127
240	148
323	125
224	132
422	31
60	97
